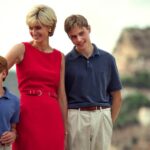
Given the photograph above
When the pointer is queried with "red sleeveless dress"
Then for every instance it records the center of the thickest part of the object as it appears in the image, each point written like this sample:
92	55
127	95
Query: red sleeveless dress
41	125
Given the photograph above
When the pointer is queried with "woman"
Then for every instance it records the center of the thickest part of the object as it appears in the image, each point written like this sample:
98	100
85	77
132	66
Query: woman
40	73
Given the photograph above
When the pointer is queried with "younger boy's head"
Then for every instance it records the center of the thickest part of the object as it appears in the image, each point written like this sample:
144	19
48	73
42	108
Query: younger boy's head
3	67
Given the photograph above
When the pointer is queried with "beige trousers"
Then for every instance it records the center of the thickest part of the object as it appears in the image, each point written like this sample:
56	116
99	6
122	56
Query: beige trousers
5	147
89	130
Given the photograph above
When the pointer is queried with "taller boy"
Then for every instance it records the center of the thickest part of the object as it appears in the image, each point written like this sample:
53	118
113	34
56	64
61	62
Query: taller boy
93	89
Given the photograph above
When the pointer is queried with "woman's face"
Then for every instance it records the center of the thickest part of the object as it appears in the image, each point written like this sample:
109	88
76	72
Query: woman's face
39	32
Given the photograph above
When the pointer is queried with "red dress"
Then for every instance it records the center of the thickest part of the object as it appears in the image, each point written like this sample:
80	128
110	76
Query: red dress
41	125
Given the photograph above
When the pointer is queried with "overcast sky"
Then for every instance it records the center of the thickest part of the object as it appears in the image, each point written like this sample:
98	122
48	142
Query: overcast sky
106	17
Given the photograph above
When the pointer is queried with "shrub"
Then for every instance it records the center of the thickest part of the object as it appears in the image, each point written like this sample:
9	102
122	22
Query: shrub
130	106
140	80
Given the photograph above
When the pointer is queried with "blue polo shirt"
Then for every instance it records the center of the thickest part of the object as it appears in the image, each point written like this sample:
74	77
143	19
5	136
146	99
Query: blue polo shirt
9	111
89	82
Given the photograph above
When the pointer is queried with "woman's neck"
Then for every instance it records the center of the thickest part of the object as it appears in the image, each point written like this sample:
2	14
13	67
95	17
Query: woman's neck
45	47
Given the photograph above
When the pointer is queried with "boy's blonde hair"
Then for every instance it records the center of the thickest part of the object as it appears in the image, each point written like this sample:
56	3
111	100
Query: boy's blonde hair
44	15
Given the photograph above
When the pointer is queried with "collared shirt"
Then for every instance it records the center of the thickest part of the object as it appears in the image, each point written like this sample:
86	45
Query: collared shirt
89	82
9	111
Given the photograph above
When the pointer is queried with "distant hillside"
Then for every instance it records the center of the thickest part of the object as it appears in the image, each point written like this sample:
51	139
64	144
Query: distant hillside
132	51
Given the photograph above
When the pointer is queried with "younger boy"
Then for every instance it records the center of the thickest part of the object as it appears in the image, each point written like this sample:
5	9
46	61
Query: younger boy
9	110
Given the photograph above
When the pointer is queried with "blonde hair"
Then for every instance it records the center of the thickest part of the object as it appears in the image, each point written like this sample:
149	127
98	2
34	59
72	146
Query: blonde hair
73	21
44	15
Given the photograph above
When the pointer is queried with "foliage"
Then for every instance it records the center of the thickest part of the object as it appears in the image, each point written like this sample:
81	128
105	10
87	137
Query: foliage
130	107
139	80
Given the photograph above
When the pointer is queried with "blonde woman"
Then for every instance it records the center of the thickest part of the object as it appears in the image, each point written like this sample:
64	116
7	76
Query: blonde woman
40	73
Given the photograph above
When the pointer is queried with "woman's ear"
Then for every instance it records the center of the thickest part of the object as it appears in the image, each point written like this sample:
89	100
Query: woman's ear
49	30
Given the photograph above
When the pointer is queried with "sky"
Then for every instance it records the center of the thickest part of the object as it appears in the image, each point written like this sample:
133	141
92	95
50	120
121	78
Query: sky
107	19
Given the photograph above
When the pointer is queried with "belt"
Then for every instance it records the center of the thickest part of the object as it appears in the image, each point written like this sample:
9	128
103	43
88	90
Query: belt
92	108
33	92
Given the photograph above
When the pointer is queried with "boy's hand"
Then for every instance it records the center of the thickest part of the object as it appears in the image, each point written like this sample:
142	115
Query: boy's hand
66	139
8	137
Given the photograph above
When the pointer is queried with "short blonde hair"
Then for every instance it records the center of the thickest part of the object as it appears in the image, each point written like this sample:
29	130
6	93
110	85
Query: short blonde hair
44	15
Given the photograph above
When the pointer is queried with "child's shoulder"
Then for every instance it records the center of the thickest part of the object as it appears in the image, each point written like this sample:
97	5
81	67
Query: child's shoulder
11	95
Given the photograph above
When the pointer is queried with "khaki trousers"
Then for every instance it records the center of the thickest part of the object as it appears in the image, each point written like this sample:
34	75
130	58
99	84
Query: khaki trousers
89	130
5	147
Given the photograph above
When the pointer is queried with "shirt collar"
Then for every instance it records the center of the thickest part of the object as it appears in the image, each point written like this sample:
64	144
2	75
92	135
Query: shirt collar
6	94
75	54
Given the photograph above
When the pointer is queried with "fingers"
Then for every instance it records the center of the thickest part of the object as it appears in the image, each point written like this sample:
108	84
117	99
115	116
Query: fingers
8	137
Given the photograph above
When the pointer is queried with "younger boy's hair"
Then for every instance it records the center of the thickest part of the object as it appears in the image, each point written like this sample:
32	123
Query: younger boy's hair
3	65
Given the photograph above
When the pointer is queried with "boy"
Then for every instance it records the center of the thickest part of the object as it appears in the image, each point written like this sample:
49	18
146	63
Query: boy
92	87
9	110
